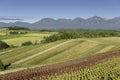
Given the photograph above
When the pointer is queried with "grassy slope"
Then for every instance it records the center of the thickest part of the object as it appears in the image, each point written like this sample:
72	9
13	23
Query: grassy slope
77	48
3	37
18	39
84	49
54	52
22	52
70	53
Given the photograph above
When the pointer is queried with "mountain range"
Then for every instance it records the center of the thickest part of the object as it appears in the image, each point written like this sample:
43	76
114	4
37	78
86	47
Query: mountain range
94	22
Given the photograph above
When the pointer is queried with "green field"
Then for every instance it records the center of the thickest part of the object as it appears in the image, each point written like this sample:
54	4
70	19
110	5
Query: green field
71	49
17	40
63	50
75	49
4	31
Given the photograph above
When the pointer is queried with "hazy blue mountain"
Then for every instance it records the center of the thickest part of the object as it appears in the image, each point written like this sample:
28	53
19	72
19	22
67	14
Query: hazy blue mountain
94	22
45	23
23	24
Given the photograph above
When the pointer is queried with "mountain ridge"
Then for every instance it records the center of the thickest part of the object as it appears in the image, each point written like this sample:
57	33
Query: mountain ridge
94	22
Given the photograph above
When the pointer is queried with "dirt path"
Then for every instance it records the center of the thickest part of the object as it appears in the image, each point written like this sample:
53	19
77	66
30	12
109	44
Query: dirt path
30	57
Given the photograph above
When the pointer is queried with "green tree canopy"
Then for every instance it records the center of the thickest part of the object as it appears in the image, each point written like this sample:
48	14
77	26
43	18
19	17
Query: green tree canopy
3	45
1	66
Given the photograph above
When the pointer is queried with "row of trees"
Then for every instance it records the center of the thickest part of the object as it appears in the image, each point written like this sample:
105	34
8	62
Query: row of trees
69	34
17	28
61	35
16	32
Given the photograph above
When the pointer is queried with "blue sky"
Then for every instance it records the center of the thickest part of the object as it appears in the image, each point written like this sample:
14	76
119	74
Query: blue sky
33	10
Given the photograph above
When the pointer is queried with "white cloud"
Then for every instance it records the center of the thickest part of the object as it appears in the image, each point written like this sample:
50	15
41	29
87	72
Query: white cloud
11	18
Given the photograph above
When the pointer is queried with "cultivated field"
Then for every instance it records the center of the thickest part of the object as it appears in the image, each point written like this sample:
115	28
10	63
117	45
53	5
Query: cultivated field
48	54
90	68
4	31
17	40
68	59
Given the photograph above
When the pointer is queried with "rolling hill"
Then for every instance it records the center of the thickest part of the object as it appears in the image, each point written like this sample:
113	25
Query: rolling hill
85	59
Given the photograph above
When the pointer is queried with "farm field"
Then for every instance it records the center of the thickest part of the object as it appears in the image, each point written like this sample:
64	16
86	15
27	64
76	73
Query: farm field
104	66
59	40
22	52
58	51
17	40
3	31
109	70
67	55
72	50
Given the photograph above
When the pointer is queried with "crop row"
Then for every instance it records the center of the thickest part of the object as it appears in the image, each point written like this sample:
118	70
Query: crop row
78	69
79	48
106	71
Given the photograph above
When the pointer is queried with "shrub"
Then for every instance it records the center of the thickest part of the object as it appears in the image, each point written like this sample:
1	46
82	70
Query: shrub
52	38
3	45
14	32
1	66
6	66
69	35
27	43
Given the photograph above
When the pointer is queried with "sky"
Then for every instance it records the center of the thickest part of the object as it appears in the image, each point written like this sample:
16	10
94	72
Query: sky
34	10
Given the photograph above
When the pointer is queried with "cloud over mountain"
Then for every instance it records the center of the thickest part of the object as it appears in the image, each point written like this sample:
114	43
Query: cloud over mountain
10	18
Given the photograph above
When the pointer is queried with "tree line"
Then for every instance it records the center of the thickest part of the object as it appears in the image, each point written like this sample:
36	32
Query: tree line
17	28
72	34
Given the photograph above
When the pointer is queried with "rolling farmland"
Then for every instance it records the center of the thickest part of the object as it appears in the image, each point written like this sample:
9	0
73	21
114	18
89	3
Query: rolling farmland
59	40
90	68
70	50
60	52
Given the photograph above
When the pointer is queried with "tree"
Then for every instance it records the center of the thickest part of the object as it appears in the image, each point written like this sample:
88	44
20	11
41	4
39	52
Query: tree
62	35
1	65
3	45
26	43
